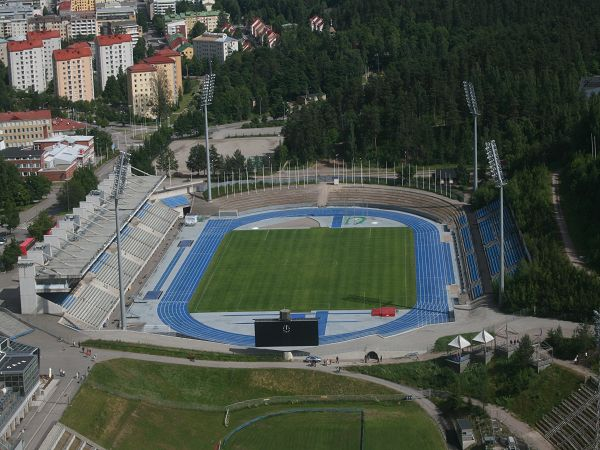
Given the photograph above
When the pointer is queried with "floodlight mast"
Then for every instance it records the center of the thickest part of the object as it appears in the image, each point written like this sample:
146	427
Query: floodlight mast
208	89
120	177
495	171
474	110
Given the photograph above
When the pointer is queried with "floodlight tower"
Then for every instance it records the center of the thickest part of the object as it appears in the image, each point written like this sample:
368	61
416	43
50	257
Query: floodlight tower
120	177
597	330
495	171
474	110
208	89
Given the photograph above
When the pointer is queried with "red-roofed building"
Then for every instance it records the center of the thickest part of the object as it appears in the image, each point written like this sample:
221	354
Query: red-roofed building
113	53
22	128
26	65
66	126
257	27
263	33
167	71
141	82
228	28
73	72
64	7
51	41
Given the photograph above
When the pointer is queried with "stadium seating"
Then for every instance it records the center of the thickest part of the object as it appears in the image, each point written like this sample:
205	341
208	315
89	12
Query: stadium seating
488	221
90	305
571	425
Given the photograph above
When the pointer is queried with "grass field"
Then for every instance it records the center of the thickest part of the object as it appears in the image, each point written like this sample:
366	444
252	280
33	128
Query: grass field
310	269
102	412
315	430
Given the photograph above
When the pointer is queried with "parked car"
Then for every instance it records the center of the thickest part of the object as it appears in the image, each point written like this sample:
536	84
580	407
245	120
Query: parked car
312	358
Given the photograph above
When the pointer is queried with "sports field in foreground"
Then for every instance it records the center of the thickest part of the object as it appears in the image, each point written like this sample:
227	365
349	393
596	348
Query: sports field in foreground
310	269
131	404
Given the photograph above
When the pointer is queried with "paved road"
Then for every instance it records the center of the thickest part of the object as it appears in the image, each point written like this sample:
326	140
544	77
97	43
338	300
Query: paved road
569	246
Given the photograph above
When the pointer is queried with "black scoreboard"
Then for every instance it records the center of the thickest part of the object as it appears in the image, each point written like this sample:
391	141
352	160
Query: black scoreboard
286	332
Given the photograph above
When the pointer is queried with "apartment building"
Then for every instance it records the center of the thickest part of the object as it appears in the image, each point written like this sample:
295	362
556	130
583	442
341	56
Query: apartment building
82	24
214	46
126	27
141	79
13	19
176	57
73	72
113	53
166	71
83	5
49	23
50	41
27	160
26	65
22	128
161	7
4	52
210	19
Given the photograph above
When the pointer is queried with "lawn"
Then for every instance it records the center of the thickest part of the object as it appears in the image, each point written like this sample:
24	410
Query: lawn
142	415
314	430
527	394
310	269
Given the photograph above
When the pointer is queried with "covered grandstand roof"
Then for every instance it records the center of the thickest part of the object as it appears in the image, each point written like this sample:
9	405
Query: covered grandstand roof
94	233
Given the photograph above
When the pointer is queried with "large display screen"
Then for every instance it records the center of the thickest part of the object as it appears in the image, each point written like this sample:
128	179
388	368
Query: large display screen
281	333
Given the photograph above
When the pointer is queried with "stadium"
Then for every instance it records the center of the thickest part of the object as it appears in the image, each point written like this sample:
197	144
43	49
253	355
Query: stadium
358	259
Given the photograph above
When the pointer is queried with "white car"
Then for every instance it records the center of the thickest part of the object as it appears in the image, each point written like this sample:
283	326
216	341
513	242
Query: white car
312	358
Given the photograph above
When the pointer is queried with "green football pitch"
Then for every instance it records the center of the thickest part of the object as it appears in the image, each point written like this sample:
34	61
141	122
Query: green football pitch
310	269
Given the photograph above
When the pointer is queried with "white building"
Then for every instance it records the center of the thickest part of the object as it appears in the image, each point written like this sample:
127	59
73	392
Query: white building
217	46
177	26
113	53
82	24
51	41
161	7
26	65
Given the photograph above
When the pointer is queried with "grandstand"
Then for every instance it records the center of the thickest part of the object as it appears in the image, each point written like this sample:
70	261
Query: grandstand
74	272
572	424
488	222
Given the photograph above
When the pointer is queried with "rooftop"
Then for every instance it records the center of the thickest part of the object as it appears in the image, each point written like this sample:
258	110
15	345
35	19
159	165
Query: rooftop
141	68
172	17
60	124
20	46
94	236
112	39
41	35
72	52
17	152
158	59
25	115
167	52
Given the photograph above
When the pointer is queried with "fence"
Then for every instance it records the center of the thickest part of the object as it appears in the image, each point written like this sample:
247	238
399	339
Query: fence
297	411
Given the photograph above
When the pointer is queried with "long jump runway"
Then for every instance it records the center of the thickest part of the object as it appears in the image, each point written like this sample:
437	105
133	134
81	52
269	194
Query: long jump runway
434	269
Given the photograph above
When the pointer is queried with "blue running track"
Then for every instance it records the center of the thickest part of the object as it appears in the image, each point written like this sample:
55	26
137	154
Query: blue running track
434	273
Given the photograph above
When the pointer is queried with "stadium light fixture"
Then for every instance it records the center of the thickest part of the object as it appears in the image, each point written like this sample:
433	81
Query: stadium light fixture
120	177
474	110
206	97
495	172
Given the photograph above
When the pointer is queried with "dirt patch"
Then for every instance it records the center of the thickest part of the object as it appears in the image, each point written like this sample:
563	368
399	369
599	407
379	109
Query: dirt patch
304	222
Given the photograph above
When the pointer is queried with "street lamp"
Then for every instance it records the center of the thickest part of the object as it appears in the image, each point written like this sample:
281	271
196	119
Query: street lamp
208	89
120	177
495	172
474	110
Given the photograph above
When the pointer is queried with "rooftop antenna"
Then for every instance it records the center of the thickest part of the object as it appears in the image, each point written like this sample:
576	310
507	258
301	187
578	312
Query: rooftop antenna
495	172
474	110
120	178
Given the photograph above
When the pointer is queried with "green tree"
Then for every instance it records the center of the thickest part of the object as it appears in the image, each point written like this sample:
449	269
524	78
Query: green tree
198	29
166	162
161	103
10	215
38	228
11	254
139	51
521	357
71	193
159	23
38	186
197	159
